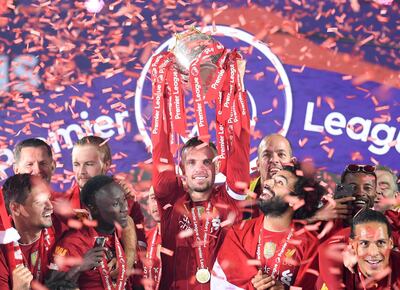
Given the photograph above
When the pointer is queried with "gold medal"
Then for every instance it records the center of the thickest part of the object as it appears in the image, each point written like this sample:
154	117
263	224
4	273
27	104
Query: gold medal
269	250
203	276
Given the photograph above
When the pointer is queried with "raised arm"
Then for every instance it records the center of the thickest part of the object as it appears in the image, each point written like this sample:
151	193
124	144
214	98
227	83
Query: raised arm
167	187
238	166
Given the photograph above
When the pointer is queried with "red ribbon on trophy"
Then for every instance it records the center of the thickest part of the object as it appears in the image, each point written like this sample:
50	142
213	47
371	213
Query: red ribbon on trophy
159	68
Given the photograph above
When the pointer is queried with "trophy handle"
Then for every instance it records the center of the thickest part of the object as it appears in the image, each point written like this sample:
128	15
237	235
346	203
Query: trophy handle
241	65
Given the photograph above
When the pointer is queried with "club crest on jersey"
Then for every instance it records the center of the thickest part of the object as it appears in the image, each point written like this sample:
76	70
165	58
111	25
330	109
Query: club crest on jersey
34	256
269	250
216	223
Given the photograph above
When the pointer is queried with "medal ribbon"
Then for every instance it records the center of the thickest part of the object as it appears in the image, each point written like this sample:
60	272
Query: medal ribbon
200	255
278	260
151	256
121	264
42	256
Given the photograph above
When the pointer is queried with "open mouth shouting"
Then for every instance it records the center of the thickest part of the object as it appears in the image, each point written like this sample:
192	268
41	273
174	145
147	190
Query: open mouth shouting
274	170
267	193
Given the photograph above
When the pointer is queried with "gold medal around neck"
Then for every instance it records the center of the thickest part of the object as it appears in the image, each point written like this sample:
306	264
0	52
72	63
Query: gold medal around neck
203	276
269	250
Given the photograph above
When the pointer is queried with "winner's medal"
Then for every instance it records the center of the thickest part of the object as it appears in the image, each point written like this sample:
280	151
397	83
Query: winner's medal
203	276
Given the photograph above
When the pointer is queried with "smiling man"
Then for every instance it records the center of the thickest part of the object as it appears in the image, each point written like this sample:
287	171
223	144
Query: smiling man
272	251
193	208
362	179
273	152
375	265
372	243
27	199
35	157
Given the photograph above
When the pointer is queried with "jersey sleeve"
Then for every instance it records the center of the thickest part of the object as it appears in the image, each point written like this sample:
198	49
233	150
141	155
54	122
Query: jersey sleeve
70	246
330	261
138	217
167	187
60	226
5	278
238	166
309	265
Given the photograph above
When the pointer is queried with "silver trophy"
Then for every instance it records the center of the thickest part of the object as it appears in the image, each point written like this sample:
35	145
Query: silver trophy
188	46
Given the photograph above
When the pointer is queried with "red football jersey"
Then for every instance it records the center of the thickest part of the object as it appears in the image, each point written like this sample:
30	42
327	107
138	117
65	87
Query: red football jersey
34	254
291	253
179	252
76	243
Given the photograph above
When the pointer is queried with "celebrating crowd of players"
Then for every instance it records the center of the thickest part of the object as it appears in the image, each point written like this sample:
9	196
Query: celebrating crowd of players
280	229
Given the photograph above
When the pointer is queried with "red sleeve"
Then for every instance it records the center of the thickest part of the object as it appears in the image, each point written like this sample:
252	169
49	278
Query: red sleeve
167	187
60	226
73	245
238	166
309	267
330	260
5	278
234	255
394	220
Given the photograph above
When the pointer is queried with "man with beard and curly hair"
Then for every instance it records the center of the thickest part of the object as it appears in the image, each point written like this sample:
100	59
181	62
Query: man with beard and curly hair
274	250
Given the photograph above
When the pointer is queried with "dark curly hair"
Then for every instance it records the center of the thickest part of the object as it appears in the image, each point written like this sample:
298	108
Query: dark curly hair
306	188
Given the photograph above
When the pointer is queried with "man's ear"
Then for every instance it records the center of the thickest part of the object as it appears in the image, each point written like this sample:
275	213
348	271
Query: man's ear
217	163
15	208
182	167
353	244
15	168
92	209
53	166
293	159
258	164
107	166
391	245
